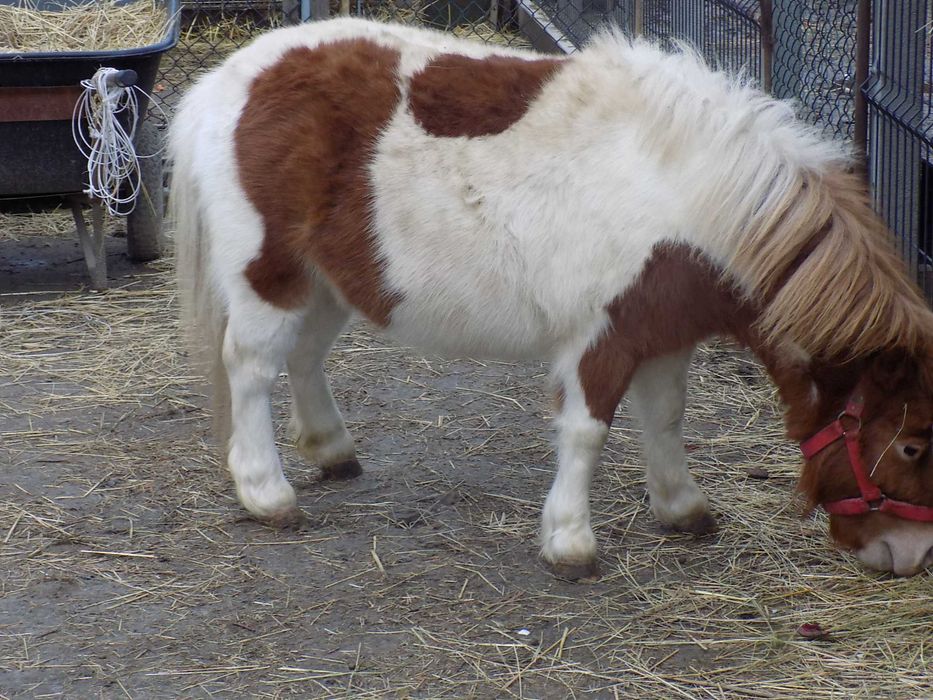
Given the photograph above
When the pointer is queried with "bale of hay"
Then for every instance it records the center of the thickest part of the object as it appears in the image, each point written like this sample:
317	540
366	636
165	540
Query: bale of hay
103	25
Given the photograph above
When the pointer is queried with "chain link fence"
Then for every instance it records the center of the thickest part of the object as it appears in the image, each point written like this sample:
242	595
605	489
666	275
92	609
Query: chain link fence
817	52
814	60
210	31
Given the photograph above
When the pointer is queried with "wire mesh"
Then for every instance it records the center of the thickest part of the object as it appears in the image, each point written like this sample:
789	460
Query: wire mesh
732	39
901	128
210	31
814	60
490	21
726	32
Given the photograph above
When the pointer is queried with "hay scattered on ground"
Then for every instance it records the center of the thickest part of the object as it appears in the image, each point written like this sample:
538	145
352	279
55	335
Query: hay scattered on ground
90	26
126	565
56	222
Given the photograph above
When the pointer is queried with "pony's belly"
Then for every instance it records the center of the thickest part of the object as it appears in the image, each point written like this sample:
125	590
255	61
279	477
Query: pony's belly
500	331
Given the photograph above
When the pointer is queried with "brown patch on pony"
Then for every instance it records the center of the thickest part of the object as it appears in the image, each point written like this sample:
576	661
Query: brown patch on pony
303	144
678	300
832	282
461	96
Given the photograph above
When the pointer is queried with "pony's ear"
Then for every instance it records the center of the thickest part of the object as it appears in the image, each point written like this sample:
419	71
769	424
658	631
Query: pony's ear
890	370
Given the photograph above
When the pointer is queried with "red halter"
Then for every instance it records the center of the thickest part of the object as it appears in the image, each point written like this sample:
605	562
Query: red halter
872	498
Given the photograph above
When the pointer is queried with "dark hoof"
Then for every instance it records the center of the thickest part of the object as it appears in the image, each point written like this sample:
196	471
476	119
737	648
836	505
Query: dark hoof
705	524
348	469
292	519
583	573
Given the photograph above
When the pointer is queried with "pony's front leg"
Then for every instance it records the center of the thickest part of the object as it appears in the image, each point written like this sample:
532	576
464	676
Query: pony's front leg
567	541
658	392
256	341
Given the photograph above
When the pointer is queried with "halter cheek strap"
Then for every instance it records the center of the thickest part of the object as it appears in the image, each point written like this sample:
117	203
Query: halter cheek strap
872	499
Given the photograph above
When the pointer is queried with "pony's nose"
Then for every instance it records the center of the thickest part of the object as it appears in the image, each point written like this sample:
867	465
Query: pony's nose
906	549
910	555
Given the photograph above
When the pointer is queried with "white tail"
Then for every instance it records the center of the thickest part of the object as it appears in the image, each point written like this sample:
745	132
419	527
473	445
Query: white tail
203	312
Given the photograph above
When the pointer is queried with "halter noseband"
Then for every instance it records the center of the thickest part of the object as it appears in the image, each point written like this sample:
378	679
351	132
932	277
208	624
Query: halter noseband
872	499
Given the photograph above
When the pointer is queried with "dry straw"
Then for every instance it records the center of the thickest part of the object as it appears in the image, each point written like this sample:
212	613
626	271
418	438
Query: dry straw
57	222
91	26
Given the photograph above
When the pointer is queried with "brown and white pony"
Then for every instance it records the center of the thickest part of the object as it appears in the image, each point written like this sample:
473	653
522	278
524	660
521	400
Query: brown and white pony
605	211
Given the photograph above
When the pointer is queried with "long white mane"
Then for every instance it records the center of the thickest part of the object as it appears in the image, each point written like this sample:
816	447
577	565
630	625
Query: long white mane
775	204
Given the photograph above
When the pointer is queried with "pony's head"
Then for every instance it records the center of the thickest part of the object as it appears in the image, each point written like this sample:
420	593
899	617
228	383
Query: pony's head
870	464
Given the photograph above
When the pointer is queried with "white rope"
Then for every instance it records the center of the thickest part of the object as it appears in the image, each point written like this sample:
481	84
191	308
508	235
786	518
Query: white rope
112	162
885	450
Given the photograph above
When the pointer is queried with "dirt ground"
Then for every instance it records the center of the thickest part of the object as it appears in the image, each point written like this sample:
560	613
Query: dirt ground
127	568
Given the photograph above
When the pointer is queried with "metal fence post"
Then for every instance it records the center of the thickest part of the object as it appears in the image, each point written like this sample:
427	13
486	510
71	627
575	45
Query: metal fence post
896	93
687	21
862	57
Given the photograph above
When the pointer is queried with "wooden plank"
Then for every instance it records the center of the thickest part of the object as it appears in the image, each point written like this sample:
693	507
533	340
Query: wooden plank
38	104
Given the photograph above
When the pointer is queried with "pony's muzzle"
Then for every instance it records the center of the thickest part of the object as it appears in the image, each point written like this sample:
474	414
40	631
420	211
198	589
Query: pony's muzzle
905	551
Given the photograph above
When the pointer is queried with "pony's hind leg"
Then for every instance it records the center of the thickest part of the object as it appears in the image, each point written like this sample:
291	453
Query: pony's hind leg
318	429
256	342
659	391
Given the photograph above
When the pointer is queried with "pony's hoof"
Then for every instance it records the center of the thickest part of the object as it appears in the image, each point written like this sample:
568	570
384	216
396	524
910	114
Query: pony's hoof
703	524
348	469
291	519
575	571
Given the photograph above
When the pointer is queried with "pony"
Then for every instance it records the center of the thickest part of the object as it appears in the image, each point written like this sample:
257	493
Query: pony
605	211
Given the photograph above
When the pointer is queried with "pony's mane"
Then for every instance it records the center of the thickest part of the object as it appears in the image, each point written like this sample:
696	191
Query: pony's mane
776	204
827	275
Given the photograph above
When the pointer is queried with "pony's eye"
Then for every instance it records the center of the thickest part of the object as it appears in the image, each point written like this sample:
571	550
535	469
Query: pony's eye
912	451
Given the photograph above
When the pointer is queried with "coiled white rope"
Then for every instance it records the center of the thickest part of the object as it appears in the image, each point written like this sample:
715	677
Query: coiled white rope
112	162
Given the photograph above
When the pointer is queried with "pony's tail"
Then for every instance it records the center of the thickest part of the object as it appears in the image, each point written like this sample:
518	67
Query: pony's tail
203	312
